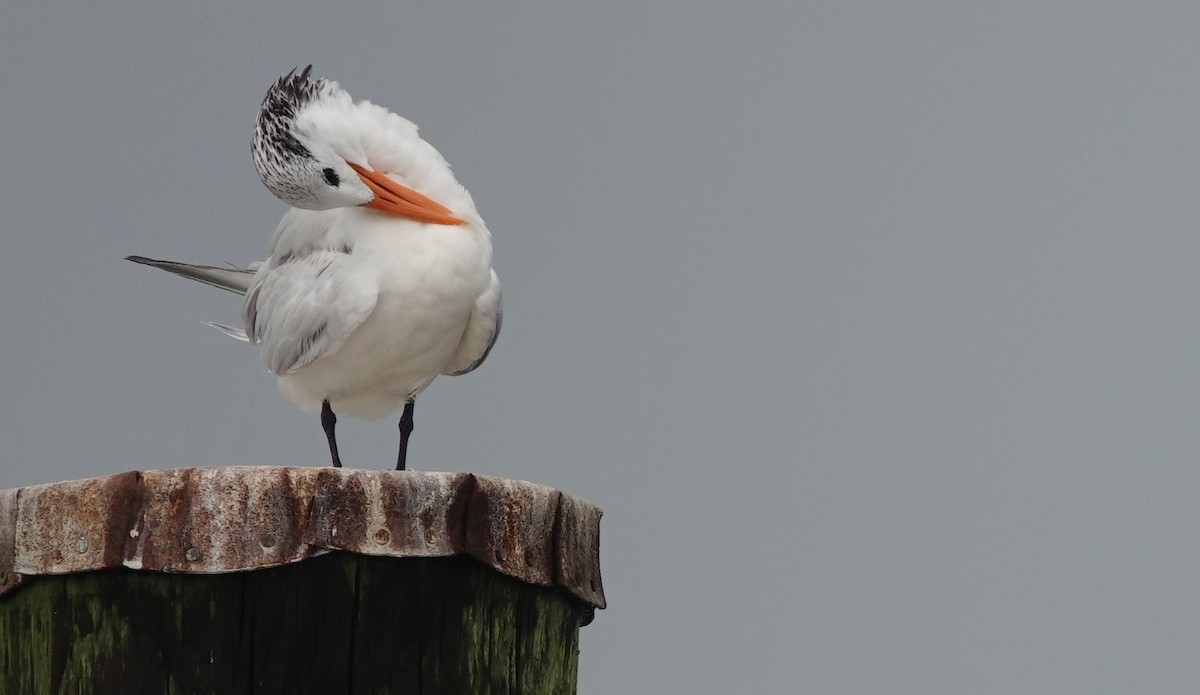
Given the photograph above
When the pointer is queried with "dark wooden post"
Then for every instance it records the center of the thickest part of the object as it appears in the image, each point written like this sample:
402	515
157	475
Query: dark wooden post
294	580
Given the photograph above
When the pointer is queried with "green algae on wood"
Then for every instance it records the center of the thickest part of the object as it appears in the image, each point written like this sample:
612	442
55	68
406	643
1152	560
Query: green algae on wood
340	623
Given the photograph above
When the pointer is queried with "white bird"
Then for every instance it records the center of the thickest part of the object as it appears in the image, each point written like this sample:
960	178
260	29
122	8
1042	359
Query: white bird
378	279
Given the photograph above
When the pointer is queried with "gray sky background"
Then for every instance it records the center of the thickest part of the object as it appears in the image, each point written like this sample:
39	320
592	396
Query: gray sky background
871	326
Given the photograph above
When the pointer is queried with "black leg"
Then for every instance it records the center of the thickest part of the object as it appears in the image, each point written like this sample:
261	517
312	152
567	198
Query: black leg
328	420
406	428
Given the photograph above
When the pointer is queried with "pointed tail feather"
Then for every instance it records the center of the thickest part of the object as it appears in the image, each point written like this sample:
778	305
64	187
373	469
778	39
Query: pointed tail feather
230	331
236	280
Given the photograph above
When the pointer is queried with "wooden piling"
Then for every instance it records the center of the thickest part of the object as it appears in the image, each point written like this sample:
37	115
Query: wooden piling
294	580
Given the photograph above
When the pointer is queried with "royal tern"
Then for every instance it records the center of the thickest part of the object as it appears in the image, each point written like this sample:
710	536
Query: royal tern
378	278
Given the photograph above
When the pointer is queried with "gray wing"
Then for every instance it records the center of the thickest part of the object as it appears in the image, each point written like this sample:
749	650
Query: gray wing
302	307
236	280
482	330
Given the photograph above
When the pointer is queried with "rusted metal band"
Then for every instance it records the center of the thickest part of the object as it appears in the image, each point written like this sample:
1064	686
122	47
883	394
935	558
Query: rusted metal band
212	520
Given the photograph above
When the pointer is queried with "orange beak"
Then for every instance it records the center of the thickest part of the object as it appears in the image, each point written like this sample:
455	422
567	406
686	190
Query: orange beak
401	201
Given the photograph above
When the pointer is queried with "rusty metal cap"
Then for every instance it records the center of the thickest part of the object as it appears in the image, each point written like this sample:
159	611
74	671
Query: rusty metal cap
211	520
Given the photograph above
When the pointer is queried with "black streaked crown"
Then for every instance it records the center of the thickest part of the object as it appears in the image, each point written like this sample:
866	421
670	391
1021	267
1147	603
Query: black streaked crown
273	139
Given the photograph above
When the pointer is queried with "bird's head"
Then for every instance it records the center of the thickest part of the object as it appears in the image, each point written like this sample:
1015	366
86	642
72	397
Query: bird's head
310	149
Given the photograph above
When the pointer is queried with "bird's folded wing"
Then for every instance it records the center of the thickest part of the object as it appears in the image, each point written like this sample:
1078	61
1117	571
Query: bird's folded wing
305	307
482	330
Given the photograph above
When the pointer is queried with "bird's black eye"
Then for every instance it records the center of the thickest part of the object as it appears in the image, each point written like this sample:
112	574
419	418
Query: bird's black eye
331	177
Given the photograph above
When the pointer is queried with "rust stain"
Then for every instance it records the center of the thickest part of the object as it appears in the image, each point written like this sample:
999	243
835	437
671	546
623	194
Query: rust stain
68	527
9	577
578	550
210	520
511	526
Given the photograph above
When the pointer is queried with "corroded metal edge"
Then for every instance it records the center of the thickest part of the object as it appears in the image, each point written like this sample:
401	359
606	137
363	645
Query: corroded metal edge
214	520
8	540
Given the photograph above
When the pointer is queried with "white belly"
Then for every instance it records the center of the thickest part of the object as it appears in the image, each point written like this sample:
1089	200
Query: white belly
426	294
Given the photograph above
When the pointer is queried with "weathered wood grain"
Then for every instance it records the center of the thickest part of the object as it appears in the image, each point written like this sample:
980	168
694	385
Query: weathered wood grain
337	624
